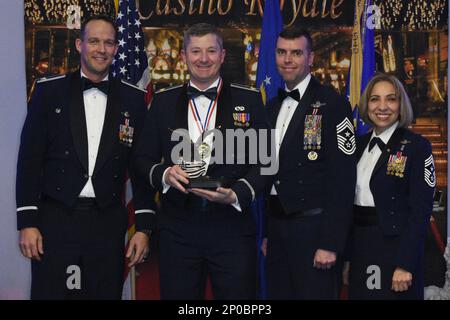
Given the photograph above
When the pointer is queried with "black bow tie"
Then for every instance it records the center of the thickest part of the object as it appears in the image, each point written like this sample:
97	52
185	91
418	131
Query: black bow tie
87	84
193	93
377	141
283	94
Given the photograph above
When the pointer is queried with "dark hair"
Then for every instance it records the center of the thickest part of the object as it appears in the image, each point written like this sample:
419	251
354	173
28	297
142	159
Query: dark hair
294	33
199	30
104	18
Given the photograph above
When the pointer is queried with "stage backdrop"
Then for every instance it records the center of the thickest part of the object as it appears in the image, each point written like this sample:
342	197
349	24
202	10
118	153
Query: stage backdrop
14	269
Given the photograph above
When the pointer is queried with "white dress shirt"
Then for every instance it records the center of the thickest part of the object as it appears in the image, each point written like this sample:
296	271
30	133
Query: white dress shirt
95	109
287	110
363	195
202	103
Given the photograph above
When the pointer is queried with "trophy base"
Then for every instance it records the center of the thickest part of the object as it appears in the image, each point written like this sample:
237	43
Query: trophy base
206	182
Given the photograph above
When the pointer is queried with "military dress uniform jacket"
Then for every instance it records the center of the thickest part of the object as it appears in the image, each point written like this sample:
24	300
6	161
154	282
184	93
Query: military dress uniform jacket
238	107
402	185
317	166
53	155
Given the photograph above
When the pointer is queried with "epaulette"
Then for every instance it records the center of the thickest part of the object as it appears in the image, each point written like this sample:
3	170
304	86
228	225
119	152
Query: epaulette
168	88
50	78
132	85
244	87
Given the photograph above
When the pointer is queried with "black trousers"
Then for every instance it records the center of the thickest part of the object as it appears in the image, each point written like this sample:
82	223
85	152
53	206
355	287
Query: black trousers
211	240
83	252
291	246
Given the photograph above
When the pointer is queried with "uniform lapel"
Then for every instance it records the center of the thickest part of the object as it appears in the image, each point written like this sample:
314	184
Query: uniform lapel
78	119
181	110
223	112
273	112
361	144
180	120
392	143
110	132
298	117
224	117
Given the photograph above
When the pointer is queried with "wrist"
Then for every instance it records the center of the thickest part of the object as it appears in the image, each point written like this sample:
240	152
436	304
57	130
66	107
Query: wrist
147	232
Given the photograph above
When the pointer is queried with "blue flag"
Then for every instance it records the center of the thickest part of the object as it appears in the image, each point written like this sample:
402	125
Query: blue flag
368	69
361	70
368	47
268	81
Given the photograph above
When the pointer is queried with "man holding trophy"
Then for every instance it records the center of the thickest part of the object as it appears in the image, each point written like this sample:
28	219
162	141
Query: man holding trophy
205	226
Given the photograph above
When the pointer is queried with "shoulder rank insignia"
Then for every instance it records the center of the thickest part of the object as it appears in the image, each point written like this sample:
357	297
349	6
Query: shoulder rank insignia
168	88
346	137
50	78
430	176
244	87
132	85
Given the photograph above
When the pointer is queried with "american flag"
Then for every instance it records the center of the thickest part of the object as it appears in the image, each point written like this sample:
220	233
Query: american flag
130	63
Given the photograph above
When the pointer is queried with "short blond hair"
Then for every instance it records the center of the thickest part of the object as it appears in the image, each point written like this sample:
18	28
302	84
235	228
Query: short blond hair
406	113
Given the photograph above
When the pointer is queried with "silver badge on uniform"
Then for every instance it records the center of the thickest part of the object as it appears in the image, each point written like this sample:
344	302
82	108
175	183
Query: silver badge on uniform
318	104
346	137
430	175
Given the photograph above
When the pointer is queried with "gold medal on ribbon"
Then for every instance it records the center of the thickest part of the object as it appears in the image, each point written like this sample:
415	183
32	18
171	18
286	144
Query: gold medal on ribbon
204	150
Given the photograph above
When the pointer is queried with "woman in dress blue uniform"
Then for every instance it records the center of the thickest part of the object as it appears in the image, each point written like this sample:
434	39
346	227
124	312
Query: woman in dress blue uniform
393	199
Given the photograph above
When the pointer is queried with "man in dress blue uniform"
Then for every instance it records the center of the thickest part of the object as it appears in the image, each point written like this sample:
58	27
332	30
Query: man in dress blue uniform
311	196
76	146
203	231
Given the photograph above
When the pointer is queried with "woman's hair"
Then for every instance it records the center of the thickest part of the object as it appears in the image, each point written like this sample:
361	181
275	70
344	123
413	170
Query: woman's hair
406	112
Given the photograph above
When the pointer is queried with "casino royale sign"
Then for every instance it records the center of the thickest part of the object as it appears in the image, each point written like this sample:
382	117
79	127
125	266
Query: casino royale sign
243	13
